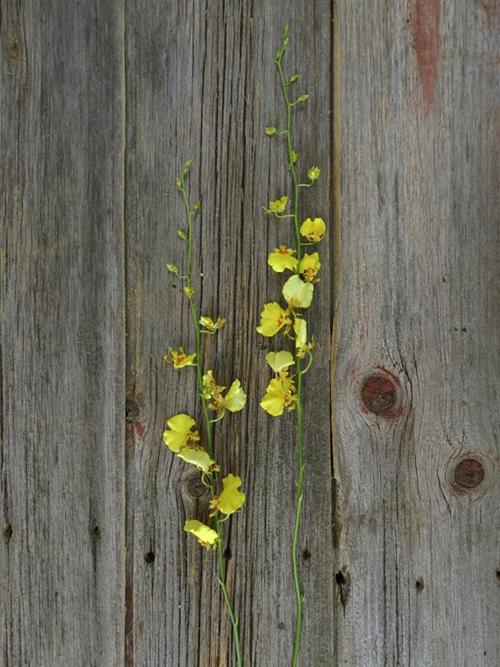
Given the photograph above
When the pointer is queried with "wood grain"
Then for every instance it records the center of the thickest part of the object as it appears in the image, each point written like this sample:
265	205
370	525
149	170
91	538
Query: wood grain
418	296
201	84
100	106
62	335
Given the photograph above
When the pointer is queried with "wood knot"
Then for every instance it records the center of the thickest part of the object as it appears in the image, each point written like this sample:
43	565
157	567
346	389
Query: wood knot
381	394
132	410
468	474
343	581
195	487
7	530
13	49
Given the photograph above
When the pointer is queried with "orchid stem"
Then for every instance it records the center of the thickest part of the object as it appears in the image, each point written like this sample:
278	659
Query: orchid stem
300	444
221	563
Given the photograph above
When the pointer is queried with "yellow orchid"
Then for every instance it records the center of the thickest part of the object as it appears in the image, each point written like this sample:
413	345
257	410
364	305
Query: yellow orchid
282	258
297	293
278	205
313	230
210	326
273	318
309	266
279	361
205	535
230	499
181	433
280	394
234	400
178	358
313	173
210	386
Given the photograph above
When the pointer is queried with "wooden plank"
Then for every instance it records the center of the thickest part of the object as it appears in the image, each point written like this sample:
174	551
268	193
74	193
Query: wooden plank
201	84
416	341
62	334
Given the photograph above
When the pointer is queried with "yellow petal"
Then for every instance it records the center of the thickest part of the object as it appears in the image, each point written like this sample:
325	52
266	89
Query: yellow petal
235	398
282	258
309	266
278	396
300	328
230	500
272	319
205	535
313	230
297	293
197	457
279	361
180	432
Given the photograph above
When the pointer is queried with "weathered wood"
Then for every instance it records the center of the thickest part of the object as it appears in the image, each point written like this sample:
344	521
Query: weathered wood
201	84
417	267
62	335
100	106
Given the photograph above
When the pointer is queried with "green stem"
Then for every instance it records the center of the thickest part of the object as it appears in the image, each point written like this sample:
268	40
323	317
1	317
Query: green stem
300	444
221	563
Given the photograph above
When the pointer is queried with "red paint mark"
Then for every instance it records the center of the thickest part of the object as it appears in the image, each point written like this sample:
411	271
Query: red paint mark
139	429
426	44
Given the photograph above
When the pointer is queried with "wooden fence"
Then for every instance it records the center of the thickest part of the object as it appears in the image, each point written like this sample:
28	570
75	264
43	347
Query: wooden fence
100	104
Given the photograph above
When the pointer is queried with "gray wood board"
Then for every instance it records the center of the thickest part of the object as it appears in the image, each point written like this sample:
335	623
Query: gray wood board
201	84
99	108
62	337
417	295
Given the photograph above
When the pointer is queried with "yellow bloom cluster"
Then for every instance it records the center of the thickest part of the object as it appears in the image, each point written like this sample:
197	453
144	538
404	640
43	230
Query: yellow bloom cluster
181	435
184	441
233	400
298	292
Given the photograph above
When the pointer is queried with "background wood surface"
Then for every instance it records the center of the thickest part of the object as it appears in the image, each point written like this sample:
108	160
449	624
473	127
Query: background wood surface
100	104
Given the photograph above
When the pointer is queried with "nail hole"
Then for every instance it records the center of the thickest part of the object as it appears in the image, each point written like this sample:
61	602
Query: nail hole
149	557
419	585
497	573
96	532
306	554
8	530
339	578
227	553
